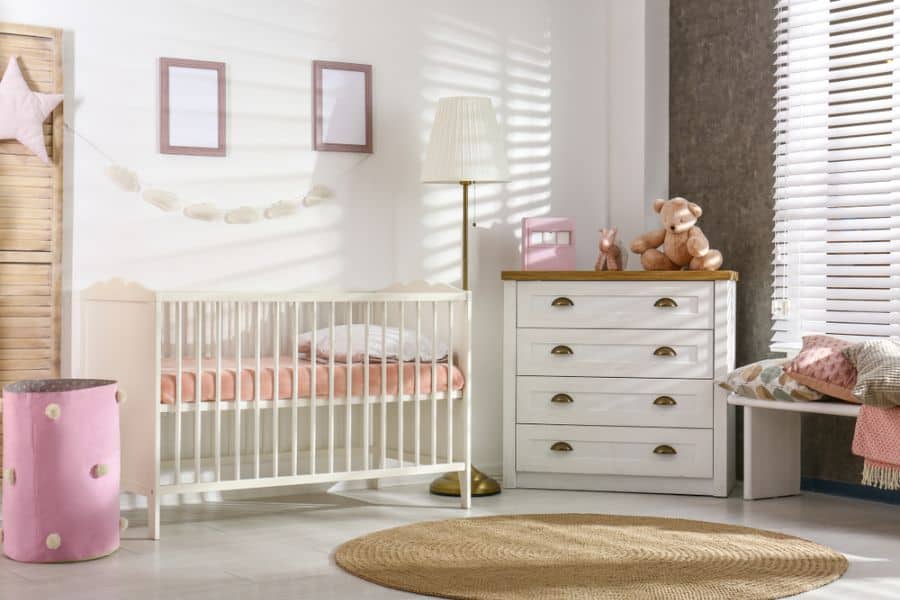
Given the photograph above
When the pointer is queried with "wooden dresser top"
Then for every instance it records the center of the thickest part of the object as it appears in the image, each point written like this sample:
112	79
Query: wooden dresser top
619	275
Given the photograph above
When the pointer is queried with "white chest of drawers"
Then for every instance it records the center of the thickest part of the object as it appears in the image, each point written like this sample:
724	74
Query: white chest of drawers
608	381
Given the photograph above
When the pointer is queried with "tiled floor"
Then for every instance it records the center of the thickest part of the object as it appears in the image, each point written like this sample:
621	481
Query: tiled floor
281	547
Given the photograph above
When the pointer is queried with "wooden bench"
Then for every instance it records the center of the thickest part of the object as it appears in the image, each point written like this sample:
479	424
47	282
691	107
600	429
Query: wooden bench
772	442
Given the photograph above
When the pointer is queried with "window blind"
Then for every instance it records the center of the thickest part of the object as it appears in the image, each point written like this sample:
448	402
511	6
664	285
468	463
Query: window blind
837	169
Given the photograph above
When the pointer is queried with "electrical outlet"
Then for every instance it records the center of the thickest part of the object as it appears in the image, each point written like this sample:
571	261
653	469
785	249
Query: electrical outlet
781	308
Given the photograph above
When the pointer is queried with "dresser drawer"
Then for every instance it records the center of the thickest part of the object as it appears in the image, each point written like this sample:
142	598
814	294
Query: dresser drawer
619	402
614	304
677	354
647	452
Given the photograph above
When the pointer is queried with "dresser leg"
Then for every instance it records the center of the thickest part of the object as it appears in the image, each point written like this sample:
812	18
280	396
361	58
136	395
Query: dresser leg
771	453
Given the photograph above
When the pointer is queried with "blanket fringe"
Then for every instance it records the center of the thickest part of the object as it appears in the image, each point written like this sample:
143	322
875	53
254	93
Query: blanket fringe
880	475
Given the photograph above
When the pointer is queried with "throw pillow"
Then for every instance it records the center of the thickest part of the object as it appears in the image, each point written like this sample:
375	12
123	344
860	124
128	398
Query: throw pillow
822	366
878	365
766	380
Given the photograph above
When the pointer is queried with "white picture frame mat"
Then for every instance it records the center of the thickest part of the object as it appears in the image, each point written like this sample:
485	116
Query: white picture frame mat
193	107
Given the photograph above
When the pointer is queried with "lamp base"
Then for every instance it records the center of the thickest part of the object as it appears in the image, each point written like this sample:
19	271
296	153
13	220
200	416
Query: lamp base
448	484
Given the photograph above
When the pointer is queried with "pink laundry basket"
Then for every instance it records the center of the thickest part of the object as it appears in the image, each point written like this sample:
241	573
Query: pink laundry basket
60	470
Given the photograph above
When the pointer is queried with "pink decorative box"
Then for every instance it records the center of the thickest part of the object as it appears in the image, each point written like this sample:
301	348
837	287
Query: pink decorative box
60	470
548	244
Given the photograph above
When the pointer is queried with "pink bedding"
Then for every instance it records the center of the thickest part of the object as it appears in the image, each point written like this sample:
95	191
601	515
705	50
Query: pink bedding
286	376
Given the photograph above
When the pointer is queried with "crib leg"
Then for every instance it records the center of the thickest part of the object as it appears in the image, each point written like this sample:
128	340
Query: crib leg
373	484
153	515
465	488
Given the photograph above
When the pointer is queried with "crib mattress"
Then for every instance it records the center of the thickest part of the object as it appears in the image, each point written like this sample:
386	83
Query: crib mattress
305	370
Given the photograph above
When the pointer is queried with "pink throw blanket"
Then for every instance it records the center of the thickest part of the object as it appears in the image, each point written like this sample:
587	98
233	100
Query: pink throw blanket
877	439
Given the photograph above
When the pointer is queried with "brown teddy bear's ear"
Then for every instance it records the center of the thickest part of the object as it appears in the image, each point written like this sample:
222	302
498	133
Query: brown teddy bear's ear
658	204
695	209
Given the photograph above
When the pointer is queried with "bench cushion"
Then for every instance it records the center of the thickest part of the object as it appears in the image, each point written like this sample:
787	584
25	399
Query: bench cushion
766	380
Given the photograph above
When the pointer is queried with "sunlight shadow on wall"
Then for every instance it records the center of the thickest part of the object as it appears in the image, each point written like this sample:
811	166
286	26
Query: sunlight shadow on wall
269	159
463	58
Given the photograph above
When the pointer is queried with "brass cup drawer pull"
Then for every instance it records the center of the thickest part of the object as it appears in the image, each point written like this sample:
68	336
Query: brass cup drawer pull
665	303
665	401
562	399
562	350
562	301
665	351
664	449
561	447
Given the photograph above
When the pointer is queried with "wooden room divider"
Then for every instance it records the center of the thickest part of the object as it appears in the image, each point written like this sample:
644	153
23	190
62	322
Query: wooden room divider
31	220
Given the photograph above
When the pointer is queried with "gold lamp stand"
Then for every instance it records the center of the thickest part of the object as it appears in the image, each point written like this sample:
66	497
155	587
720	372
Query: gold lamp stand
448	483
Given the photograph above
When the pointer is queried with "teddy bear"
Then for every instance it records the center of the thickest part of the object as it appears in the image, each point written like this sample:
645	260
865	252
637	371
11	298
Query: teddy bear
610	257
683	243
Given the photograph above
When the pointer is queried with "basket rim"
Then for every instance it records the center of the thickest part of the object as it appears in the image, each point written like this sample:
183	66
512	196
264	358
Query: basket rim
52	386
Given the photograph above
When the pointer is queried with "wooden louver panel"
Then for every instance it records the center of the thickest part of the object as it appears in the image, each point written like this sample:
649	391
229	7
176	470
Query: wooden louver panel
31	219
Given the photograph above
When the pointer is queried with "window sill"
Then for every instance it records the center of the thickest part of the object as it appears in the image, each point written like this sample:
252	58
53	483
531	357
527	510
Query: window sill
788	349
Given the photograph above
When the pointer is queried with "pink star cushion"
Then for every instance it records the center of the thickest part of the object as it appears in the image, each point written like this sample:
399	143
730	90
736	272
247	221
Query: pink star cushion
22	112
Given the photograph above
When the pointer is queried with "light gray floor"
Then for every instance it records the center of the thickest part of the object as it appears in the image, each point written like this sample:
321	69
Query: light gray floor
281	547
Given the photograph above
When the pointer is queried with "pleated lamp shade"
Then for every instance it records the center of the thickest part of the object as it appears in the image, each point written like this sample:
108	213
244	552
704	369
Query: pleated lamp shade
465	143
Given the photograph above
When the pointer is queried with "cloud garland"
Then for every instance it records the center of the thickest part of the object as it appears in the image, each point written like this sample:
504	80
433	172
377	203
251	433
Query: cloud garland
129	181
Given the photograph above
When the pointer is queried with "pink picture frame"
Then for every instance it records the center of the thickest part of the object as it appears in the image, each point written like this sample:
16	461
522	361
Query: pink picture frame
342	107
548	244
191	107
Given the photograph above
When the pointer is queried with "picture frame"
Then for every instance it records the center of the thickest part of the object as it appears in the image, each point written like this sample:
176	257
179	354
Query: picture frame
548	244
191	107
342	107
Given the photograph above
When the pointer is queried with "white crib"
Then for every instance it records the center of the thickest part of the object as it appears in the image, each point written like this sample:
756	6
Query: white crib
192	348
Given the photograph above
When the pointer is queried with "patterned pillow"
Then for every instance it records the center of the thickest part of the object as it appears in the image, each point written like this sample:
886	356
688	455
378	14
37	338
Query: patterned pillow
878	364
822	367
766	380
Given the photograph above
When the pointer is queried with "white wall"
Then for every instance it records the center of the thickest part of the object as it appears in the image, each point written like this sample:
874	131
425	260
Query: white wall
638	54
545	63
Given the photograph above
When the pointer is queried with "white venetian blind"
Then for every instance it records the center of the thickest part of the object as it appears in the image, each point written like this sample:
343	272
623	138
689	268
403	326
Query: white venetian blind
837	169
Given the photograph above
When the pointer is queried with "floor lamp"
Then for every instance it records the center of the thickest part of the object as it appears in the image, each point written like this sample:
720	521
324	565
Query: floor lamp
465	147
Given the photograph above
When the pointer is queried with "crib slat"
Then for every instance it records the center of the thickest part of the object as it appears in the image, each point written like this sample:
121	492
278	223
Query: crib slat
257	331
295	353
161	328
178	367
276	372
366	417
238	389
434	403
401	376
218	418
465	481
450	382
348	412
383	429
198	385
418	384
331	390
313	390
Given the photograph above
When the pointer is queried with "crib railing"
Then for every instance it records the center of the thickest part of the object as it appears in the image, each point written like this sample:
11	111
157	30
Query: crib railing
364	432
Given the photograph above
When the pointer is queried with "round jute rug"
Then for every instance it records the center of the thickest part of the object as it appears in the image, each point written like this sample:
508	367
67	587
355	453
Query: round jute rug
589	556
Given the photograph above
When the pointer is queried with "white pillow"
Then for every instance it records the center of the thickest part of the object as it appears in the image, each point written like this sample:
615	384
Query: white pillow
390	350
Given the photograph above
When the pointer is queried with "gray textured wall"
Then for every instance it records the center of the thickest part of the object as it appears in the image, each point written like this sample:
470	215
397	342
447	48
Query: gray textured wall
720	155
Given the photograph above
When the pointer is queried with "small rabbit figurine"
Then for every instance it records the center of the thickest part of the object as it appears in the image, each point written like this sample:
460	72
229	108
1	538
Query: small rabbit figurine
610	257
